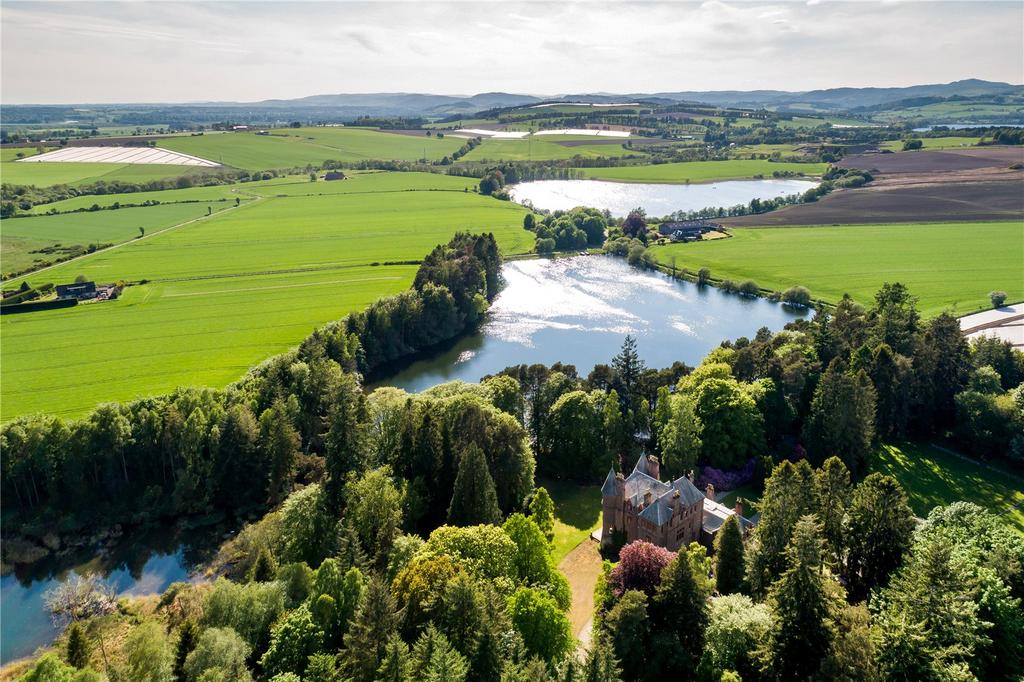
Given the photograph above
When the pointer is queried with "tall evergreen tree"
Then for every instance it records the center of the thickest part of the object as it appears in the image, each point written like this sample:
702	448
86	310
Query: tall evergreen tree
601	665
892	376
280	441
542	512
629	631
942	364
188	635
788	495
894	318
628	367
345	439
77	646
832	493
474	499
842	417
729	566
878	532
680	614
374	624
434	658
801	631
461	614
397	664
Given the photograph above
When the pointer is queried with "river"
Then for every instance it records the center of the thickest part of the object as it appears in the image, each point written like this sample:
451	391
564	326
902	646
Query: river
578	310
657	199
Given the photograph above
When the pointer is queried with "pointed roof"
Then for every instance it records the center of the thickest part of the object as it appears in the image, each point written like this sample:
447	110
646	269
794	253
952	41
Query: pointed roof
658	512
687	490
608	489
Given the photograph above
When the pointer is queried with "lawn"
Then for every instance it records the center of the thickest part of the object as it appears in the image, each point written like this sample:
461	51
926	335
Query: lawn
933	477
577	513
20	236
55	173
296	147
226	293
701	171
946	265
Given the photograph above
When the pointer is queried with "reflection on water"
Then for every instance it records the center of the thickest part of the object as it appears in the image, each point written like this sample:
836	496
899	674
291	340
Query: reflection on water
577	310
656	199
145	564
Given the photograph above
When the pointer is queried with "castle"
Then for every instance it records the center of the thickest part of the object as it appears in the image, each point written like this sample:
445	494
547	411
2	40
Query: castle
671	515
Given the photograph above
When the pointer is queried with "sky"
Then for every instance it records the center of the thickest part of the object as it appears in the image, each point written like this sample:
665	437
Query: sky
97	52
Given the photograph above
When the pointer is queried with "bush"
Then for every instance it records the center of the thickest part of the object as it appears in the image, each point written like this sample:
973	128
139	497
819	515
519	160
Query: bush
729	286
797	296
909	145
703	276
545	245
749	288
998	298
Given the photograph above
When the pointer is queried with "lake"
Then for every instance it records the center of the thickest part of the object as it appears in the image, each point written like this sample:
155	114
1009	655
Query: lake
578	310
145	563
656	199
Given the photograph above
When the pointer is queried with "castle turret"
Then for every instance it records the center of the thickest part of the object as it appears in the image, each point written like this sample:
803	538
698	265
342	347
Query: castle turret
613	493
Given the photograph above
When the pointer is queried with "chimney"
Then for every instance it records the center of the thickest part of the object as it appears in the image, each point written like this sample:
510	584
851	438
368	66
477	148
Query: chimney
690	475
710	492
738	507
647	498
653	467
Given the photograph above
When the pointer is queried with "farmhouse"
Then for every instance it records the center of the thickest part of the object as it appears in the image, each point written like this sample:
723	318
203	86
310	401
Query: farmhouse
81	291
686	230
671	515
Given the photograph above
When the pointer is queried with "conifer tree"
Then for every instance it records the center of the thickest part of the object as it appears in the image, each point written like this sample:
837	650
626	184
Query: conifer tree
77	646
188	635
878	532
280	441
263	569
374	624
474	499
832	492
344	440
396	665
801	631
601	665
461	615
434	659
842	417
729	567
680	613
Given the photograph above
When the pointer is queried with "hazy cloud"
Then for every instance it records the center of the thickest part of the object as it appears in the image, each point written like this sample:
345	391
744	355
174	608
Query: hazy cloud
245	51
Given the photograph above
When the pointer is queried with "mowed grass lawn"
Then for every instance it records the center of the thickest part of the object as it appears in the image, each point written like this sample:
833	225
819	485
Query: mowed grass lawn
701	171
56	173
292	147
577	513
228	292
933	477
948	266
20	236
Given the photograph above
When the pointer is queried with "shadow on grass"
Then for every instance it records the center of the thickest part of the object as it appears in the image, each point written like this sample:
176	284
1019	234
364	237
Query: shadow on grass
578	506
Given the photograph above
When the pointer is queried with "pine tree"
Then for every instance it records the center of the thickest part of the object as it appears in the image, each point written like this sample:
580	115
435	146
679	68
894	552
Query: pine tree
601	665
344	438
280	441
680	613
628	367
832	492
77	646
891	374
263	569
842	417
461	615
729	567
878	532
474	499
801	631
542	512
435	660
374	624
188	635
397	665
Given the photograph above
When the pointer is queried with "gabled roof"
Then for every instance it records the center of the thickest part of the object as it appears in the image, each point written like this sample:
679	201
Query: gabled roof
715	514
659	512
687	491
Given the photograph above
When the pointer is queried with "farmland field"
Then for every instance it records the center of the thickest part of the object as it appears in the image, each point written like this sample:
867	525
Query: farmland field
225	293
701	171
20	236
935	143
946	265
46	174
296	147
542	149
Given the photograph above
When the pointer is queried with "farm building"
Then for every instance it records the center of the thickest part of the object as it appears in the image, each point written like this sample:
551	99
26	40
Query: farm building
81	291
686	230
334	175
671	515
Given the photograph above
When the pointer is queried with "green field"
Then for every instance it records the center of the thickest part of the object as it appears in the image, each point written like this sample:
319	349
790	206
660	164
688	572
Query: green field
297	147
20	236
227	292
948	266
700	171
935	143
933	477
11	153
56	173
542	149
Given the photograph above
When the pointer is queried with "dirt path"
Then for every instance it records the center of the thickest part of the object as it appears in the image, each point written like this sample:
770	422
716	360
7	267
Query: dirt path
582	567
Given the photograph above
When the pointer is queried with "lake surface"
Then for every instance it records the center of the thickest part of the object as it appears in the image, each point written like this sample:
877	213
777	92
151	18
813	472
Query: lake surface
578	310
147	563
656	199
